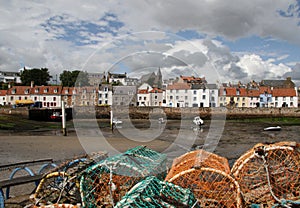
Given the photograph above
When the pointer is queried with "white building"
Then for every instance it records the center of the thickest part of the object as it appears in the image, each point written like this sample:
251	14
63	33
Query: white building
156	97
284	97
50	96
199	96
3	97
143	98
177	95
8	77
213	95
18	93
105	94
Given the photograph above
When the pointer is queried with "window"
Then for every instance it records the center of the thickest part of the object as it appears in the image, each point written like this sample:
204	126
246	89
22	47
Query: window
20	98
195	92
283	98
203	97
212	91
243	99
44	98
203	90
291	104
195	98
54	98
105	89
55	90
171	97
36	90
140	98
46	90
155	97
144	98
251	98
186	97
106	95
177	91
212	98
171	91
185	91
100	95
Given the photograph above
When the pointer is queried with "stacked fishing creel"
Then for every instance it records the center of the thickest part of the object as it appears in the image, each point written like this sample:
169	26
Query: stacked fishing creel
268	174
207	175
61	185
153	192
105	183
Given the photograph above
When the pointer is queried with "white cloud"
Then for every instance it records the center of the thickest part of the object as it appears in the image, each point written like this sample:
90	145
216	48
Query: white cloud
27	37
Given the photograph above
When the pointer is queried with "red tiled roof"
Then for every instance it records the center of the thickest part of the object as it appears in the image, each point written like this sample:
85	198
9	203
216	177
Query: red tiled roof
178	86
230	91
143	91
156	90
19	90
253	93
284	92
3	92
47	90
191	78
263	89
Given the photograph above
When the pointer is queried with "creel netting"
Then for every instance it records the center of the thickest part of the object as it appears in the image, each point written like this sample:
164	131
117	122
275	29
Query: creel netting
105	183
268	174
207	176
153	192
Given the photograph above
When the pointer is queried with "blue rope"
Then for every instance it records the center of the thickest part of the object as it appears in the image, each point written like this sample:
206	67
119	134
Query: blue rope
1	199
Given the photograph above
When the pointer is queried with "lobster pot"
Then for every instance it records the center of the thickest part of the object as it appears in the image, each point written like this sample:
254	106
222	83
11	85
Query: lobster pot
105	183
212	188
198	158
268	173
61	185
152	192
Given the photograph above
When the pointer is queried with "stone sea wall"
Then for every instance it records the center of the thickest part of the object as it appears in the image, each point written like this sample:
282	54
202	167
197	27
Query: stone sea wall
170	113
184	113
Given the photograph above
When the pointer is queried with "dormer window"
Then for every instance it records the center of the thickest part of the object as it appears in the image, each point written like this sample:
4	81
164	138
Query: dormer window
66	91
26	91
13	91
55	90
46	90
74	92
36	90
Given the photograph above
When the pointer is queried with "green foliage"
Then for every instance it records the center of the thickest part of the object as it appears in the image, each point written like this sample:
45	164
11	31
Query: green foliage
38	76
74	78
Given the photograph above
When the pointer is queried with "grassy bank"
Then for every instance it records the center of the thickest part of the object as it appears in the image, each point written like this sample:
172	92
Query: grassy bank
277	120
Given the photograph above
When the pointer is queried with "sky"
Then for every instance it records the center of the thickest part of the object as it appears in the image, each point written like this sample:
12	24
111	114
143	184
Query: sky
222	40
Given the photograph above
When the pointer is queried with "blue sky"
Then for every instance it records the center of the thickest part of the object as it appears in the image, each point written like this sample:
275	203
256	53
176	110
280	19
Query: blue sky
229	40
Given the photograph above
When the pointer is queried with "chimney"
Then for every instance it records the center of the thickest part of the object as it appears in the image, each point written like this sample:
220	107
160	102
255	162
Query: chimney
8	86
32	84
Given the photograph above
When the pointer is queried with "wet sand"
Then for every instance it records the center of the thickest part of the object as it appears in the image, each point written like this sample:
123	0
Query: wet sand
174	139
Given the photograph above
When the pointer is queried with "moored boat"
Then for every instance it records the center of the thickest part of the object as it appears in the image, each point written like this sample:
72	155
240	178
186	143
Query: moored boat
272	128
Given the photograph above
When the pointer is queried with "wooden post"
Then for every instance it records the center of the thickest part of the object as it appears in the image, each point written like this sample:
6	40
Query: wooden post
63	112
111	120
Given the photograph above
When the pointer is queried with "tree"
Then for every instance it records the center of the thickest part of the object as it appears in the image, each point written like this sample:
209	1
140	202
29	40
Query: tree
38	76
72	78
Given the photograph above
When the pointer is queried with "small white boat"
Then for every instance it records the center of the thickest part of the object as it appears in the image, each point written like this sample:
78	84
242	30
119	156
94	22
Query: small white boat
198	121
272	128
161	120
117	121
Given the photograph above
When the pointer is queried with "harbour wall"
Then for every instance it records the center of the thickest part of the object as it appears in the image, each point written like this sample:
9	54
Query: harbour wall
184	113
101	112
